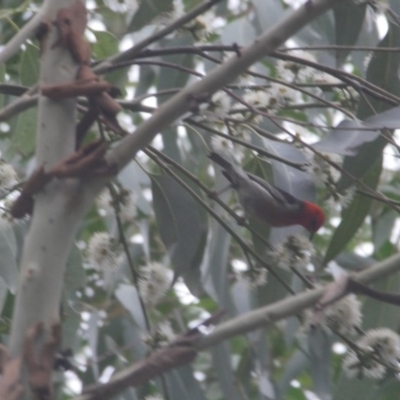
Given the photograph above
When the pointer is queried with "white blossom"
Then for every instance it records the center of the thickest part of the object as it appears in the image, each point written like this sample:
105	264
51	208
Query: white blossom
252	277
178	9
154	282
347	97
270	100
202	26
295	252
344	316
343	199
384	341
294	71
222	145
378	346
368	368
257	98
8	176
104	201
125	203
280	96
220	104
324	174
161	336
102	252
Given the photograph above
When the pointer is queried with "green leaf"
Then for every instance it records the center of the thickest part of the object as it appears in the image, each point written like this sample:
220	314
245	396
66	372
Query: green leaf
182	384
75	276
382	72
354	215
382	228
319	345
148	11
170	141
24	138
215	266
377	313
181	227
70	325
353	389
389	390
29	66
3	294
146	79
128	296
106	44
349	18
8	252
171	77
221	360
296	364
267	12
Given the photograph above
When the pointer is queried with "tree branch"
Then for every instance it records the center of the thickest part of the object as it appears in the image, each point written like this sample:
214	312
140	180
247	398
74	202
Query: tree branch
253	320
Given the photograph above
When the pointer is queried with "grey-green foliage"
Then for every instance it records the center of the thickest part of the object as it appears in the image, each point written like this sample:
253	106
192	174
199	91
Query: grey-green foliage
102	310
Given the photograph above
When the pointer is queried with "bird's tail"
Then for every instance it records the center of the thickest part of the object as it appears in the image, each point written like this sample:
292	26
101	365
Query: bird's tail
230	171
220	161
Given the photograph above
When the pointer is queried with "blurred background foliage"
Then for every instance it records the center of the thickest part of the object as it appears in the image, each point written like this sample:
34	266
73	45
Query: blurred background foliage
326	132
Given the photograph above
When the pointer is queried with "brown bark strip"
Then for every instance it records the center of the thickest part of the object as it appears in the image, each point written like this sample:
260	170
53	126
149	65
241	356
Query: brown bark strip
71	23
23	205
40	363
74	89
87	161
10	385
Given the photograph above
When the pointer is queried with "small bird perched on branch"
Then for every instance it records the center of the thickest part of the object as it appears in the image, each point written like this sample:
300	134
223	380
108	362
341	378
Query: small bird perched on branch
266	202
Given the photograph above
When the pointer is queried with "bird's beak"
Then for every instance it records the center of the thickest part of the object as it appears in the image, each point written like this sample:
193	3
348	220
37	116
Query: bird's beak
311	236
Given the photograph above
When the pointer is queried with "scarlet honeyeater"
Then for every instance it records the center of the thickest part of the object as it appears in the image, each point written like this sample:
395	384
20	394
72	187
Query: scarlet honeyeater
268	203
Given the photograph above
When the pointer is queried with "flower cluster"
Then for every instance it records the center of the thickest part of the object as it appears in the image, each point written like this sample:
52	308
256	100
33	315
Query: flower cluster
318	166
295	252
124	203
8	176
252	277
344	316
154	283
377	349
292	71
220	104
163	335
102	251
271	100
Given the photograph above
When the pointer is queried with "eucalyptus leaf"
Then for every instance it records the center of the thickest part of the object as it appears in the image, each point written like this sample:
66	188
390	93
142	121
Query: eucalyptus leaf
181	384
29	66
129	298
148	11
106	44
8	253
353	215
360	165
223	370
215	266
24	139
349	18
319	345
181	228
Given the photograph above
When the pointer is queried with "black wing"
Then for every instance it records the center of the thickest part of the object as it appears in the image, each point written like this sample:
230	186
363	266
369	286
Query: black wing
278	194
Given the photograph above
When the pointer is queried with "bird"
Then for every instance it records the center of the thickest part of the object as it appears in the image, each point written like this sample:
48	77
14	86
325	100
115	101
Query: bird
267	203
